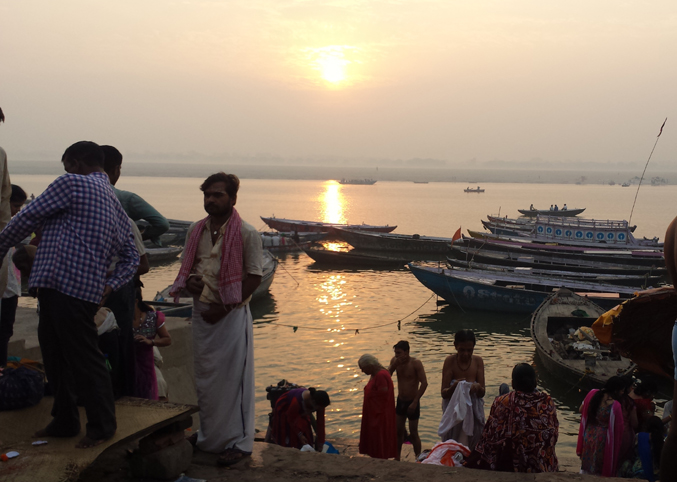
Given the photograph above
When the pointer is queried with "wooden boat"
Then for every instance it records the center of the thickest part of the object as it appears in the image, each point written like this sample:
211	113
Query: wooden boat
364	182
280	224
468	292
605	236
532	213
184	308
354	259
547	261
470	189
586	363
275	241
161	255
635	281
528	224
413	243
629	257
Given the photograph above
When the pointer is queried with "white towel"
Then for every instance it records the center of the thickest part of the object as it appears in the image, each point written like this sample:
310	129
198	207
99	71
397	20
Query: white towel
463	417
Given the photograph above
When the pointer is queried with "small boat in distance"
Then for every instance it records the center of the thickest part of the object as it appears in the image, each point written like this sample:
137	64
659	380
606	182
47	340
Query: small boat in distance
367	182
566	213
566	346
470	189
280	224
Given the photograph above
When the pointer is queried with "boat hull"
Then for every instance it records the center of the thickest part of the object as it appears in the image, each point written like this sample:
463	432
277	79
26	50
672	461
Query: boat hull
468	294
352	259
395	242
558	307
317	227
546	212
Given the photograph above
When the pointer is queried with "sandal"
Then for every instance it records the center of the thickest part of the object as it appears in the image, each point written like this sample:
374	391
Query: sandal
231	457
192	439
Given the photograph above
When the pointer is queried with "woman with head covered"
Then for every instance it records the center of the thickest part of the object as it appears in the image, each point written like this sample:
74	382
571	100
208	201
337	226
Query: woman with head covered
378	436
521	431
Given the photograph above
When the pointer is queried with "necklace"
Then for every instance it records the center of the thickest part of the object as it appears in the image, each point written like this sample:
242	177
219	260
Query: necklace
464	369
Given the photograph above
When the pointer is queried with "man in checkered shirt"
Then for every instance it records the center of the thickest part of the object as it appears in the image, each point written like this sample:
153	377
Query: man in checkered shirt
83	227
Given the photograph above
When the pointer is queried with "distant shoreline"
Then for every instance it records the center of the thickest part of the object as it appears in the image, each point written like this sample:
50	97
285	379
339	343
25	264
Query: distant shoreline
472	177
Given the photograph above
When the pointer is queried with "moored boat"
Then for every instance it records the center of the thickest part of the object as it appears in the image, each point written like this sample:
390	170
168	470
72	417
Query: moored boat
280	224
353	259
395	242
565	344
471	189
635	281
628	257
468	292
551	261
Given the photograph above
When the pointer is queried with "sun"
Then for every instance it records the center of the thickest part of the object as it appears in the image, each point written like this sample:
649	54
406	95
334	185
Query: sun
333	68
331	63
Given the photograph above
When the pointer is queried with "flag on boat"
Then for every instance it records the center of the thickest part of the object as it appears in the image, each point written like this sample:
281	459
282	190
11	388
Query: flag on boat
457	235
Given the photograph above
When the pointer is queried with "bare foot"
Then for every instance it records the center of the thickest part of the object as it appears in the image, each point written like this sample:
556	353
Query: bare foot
87	442
42	433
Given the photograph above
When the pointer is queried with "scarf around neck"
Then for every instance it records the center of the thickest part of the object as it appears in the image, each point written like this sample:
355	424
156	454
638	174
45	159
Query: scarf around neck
230	272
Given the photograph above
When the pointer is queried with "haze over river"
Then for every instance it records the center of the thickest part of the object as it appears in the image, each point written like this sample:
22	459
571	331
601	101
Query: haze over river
328	306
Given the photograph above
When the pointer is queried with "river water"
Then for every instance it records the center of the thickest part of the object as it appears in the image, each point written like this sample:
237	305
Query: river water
307	329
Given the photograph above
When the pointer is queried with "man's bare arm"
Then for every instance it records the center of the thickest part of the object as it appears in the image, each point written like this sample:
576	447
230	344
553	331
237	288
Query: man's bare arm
421	378
480	390
393	365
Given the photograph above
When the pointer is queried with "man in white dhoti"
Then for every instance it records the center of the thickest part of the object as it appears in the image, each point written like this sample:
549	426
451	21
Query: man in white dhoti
221	268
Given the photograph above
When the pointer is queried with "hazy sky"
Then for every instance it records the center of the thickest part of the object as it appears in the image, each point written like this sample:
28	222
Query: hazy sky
448	79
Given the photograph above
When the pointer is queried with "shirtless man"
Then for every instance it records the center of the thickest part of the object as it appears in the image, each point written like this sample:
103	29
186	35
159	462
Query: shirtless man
411	385
464	366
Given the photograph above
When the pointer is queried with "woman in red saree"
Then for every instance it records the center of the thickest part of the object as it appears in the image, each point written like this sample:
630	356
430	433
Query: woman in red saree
293	422
378	436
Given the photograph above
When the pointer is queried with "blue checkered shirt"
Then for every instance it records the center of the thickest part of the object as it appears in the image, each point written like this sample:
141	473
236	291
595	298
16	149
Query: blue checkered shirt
83	227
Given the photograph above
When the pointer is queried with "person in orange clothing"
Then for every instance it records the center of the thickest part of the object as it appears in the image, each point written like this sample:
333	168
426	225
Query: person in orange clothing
378	435
292	424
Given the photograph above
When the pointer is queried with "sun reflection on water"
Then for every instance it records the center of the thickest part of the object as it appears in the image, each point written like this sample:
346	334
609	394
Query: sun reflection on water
332	202
333	298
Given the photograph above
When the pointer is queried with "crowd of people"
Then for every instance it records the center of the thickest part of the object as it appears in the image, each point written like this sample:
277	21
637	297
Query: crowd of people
84	262
620	434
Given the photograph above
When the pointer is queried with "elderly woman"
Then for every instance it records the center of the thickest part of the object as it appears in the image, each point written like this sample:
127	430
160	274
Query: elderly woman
378	436
293	421
521	431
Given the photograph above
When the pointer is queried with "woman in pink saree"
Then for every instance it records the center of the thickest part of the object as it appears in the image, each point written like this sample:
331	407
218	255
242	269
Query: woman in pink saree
601	432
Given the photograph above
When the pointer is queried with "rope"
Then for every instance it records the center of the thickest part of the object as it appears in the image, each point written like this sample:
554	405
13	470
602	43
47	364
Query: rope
357	330
645	166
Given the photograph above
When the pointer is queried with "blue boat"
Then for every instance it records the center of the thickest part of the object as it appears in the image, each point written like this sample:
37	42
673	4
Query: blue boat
476	294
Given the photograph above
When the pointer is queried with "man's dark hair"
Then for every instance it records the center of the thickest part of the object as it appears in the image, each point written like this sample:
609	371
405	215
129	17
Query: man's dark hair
402	345
231	180
18	195
87	152
320	397
524	378
112	158
463	336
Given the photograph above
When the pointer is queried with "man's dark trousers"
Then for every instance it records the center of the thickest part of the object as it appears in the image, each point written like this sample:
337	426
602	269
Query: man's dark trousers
122	303
75	367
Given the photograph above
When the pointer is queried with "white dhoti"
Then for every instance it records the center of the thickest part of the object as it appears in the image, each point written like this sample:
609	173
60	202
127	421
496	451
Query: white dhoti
224	379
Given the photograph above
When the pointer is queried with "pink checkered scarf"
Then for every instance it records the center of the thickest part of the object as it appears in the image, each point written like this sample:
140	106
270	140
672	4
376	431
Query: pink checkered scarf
230	274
